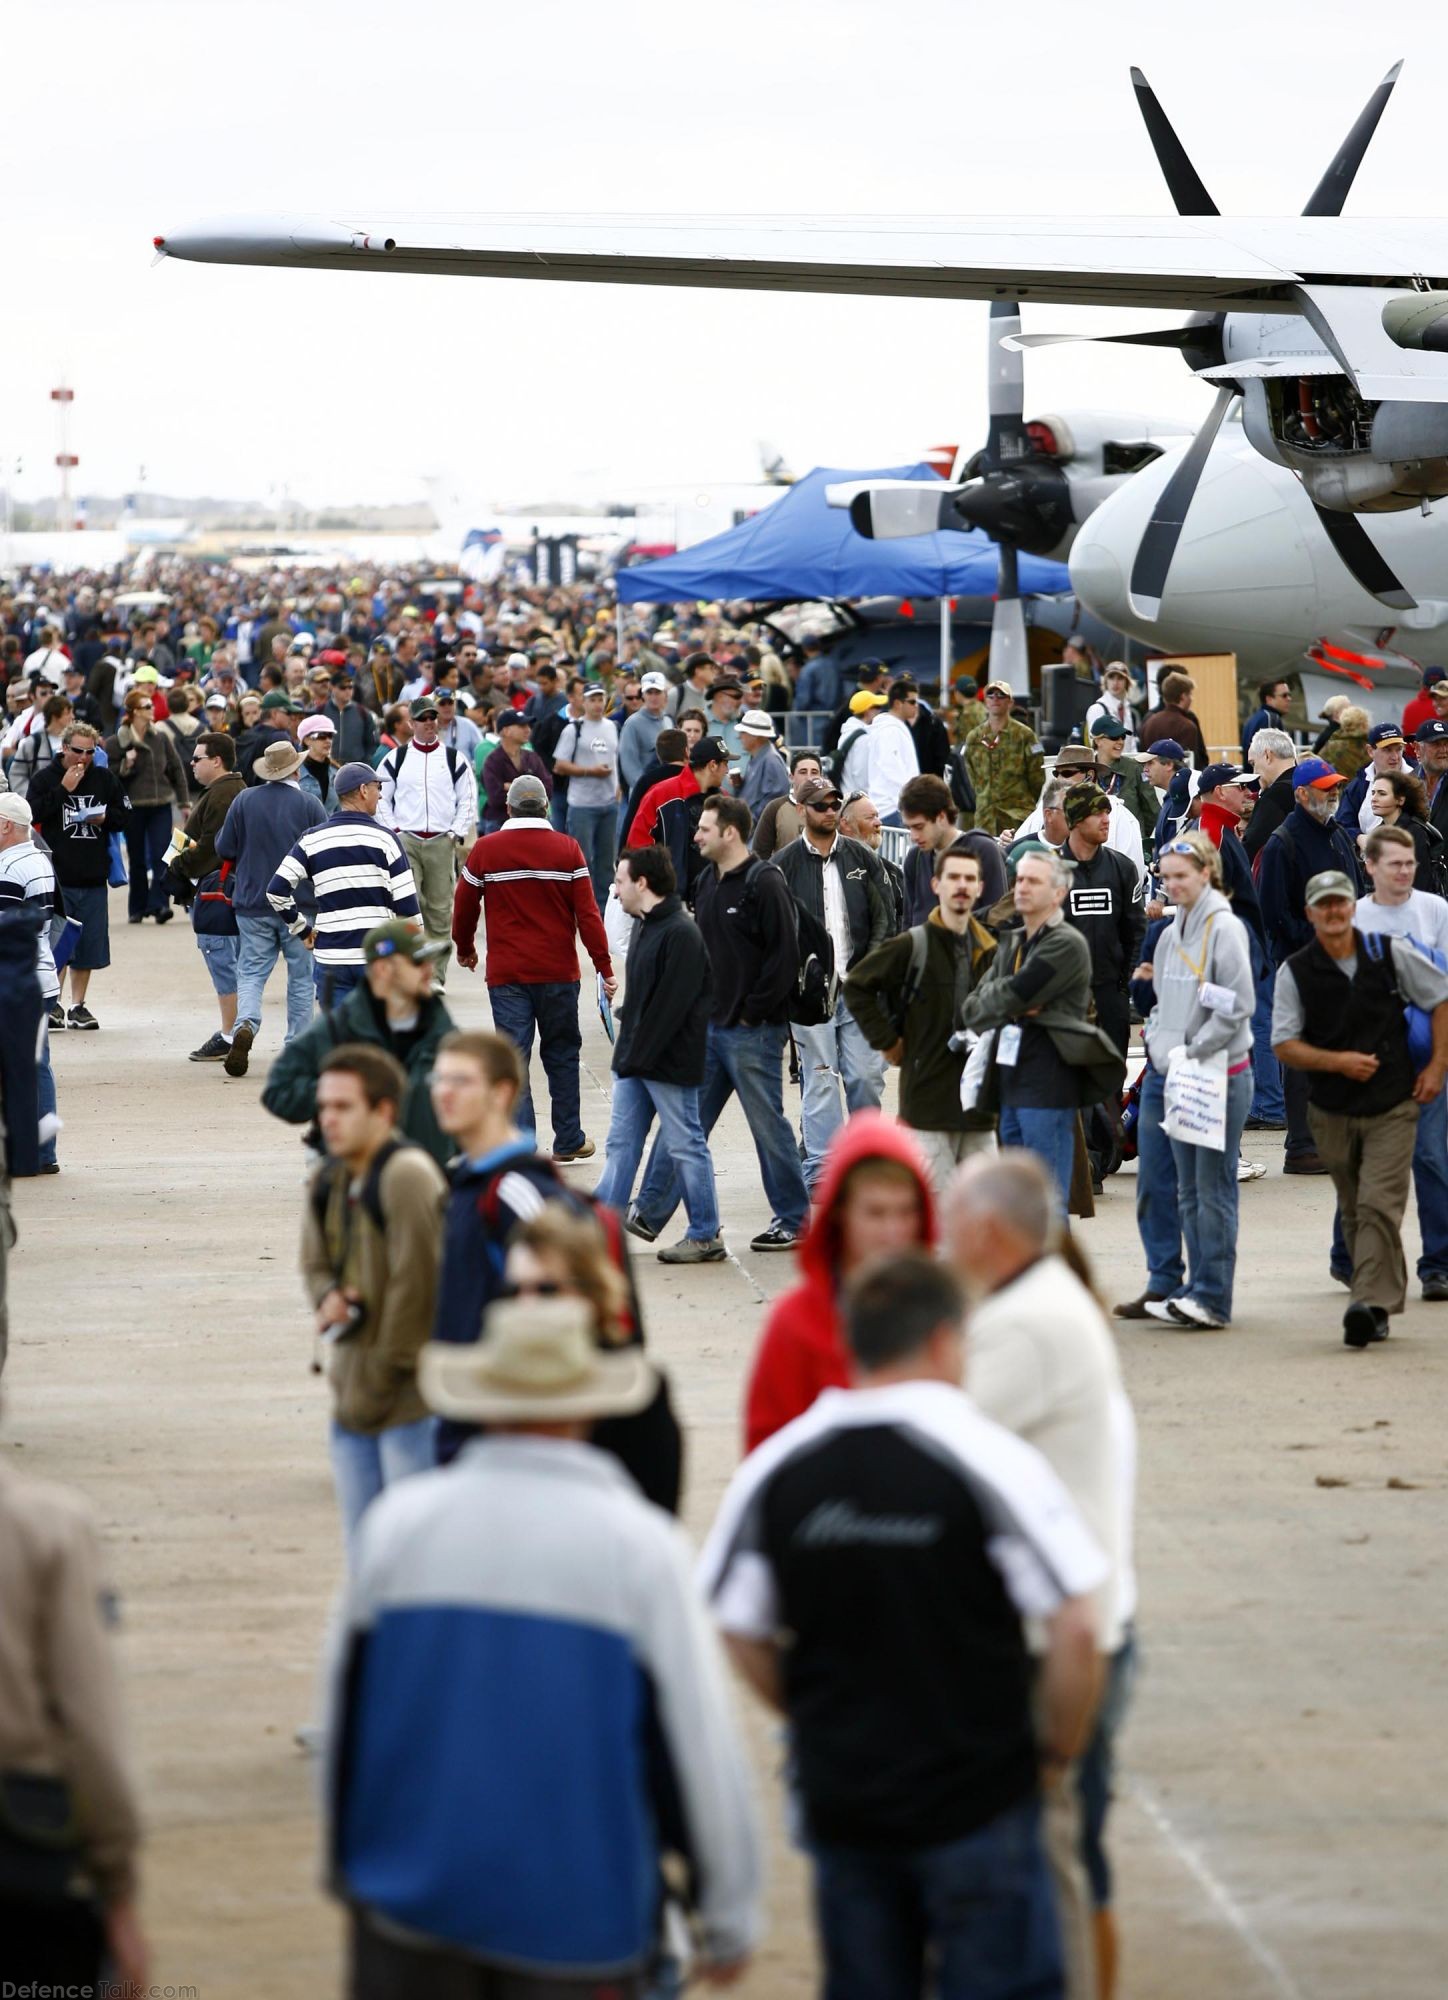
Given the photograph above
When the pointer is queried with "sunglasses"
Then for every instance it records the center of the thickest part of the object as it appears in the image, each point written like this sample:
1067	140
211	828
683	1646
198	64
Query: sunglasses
1182	847
545	1288
823	806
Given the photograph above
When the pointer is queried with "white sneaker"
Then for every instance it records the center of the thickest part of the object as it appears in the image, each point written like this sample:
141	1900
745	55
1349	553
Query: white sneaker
1188	1312
1161	1309
1250	1170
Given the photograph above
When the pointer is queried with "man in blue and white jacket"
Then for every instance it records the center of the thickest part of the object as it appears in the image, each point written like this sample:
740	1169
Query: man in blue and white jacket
359	878
529	1706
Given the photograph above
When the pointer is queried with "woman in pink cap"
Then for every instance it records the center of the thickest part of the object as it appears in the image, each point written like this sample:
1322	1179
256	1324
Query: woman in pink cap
318	772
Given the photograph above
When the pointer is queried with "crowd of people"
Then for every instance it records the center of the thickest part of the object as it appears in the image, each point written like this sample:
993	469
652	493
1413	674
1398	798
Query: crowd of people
923	1563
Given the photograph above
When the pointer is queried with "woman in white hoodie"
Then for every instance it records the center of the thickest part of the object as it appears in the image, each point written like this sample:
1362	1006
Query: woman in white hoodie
1201	973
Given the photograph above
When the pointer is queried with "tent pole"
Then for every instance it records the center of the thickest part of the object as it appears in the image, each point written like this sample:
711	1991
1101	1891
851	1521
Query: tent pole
944	654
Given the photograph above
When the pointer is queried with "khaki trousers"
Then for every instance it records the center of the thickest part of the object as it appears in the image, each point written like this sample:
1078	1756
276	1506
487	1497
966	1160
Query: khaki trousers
944	1151
434	871
1371	1163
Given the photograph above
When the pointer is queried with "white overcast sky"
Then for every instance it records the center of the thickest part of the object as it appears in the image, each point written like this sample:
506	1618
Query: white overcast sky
126	118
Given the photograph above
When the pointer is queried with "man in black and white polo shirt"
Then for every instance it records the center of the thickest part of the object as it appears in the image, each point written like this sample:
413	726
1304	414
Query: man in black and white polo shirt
900	1539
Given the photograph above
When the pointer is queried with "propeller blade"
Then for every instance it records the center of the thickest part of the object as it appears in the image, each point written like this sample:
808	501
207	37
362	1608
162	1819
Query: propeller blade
1168	517
1005	386
1162	336
1010	658
1359	554
1183	181
887	512
1336	184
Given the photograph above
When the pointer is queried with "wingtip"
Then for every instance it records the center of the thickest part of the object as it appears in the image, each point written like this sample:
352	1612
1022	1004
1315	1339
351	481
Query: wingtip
1138	79
1392	76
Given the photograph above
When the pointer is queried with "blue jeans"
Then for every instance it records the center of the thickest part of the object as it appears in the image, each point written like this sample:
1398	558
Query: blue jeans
335	982
262	940
972	1919
147	832
363	1462
1096	1772
45	1086
1158	1220
833	1054
1050	1133
1430	1191
219	954
553	1011
1267	1099
595	828
558	806
1207	1204
749	1061
635	1101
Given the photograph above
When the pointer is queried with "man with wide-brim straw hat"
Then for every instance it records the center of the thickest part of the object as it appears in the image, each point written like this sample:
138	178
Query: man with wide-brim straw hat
511	1622
261	827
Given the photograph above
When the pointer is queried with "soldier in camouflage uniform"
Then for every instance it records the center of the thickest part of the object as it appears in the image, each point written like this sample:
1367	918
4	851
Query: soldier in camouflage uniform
1005	764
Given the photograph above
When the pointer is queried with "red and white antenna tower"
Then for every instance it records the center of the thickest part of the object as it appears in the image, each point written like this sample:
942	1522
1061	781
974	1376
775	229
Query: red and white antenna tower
65	458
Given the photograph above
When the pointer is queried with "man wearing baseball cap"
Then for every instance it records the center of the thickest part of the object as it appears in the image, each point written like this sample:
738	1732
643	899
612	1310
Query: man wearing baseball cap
1385	755
1004	763
1430	740
766	775
639	734
430	800
669	814
1167	769
1338	1021
1309	842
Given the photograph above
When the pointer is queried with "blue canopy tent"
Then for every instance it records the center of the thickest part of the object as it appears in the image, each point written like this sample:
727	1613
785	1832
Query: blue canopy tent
801	548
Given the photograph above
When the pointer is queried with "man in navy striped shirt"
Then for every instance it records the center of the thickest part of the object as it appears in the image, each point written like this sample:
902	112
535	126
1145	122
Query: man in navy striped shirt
359	878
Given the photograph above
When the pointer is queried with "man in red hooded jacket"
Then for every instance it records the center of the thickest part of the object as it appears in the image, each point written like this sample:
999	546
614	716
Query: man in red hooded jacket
873	1200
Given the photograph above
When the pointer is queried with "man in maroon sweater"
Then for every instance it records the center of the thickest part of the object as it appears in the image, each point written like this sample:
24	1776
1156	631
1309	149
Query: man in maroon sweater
534	885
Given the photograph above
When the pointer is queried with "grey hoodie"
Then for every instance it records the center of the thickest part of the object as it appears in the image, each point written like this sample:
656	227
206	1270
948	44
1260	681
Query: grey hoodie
1179	1016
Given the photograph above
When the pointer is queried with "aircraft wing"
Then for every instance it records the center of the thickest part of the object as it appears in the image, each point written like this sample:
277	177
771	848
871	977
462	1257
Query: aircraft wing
1186	263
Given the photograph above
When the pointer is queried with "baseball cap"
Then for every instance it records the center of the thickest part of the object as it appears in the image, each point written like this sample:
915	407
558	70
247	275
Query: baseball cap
726	686
277	703
1319	774
527	791
15	809
516	660
1115	667
146	673
316	725
655	680
754	722
1433	731
708	750
426	704
864	701
1225	774
512	718
817	792
217	701
1076	639
1168	749
999	687
353	776
1109	727
1082	801
1384	733
1331	882
395	939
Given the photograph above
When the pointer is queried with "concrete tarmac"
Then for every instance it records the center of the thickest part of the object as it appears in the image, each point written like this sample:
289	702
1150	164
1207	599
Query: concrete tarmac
1281	1830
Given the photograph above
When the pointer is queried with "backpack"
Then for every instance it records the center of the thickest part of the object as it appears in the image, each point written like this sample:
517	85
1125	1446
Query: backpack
402	749
212	912
331	1172
914	975
1417	1021
578	1202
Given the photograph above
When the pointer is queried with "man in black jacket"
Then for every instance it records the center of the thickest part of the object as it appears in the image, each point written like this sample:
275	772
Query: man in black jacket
658	1062
746	917
1431	739
840	884
77	807
1337	1020
1104	904
1273	758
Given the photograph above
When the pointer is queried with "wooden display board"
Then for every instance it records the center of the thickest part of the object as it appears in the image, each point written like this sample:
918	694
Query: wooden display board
1215	700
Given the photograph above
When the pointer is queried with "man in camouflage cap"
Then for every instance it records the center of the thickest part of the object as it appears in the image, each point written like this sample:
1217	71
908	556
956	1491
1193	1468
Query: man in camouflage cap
1005	764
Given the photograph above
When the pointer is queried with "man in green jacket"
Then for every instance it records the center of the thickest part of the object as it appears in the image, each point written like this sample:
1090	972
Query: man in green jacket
1035	995
910	1010
213	761
1005	764
394	1009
